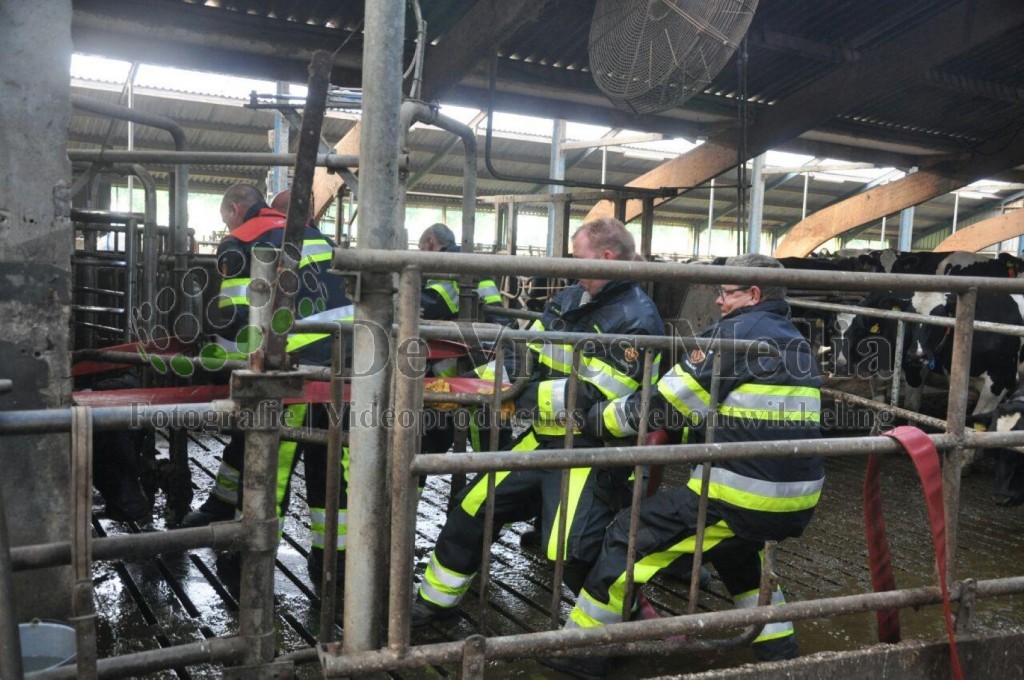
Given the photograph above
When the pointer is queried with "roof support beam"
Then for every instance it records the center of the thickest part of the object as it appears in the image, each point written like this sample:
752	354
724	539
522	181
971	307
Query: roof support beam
891	198
948	33
986	233
478	33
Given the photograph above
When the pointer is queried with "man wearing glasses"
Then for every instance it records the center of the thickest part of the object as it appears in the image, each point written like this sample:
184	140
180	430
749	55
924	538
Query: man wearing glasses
761	398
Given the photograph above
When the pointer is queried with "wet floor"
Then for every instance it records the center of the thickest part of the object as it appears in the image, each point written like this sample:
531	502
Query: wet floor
181	598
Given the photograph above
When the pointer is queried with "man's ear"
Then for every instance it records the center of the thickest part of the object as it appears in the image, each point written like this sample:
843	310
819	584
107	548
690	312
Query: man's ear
760	296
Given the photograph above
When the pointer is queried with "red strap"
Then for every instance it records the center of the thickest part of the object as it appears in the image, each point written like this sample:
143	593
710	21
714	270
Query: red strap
926	461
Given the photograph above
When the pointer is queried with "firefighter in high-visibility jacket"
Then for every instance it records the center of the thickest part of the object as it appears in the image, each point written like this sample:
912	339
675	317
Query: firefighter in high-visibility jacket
439	298
606	372
252	225
761	398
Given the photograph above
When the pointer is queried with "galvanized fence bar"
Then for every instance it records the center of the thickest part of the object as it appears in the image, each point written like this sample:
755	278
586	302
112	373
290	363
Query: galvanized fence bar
83	610
638	484
880	406
705	483
485	562
405	445
611	456
575	642
956	415
488	265
913	317
571	394
332	482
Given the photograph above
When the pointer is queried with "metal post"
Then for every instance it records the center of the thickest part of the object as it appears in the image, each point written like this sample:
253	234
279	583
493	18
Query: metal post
557	172
647	226
571	391
638	484
711	222
705	481
131	274
405	445
329	585
150	247
379	225
956	416
906	241
82	609
756	205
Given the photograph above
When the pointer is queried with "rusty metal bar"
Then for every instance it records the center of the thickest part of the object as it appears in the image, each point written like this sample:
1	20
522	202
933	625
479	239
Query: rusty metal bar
263	159
906	414
214	650
638	484
83	611
510	312
287	284
705	483
571	392
219	536
485	563
956	415
474	658
570	641
985	326
332	482
437	464
405	445
384	261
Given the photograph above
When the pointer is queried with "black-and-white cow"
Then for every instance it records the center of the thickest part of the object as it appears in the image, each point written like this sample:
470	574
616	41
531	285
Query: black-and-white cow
1008	485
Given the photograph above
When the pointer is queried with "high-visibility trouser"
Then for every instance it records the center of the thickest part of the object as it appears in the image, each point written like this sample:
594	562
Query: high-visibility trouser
668	533
228	483
316	494
520	495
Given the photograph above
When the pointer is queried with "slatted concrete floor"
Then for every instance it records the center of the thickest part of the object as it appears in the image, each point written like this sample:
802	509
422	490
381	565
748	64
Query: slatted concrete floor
180	598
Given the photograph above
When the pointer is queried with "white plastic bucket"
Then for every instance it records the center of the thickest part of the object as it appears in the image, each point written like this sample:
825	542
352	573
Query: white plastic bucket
46	645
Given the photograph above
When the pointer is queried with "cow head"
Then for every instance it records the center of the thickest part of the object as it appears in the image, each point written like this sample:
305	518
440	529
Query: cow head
929	344
864	345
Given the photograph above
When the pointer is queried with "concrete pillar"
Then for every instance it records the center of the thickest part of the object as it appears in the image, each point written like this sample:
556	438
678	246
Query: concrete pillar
35	268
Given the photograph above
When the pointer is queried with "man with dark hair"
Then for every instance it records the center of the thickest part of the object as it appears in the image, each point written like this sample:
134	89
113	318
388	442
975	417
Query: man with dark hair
595	494
252	224
761	398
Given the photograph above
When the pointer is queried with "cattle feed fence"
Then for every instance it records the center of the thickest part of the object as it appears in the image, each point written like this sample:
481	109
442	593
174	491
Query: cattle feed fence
255	534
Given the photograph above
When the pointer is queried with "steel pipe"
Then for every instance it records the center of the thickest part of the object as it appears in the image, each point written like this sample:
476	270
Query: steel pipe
980	326
219	536
261	159
569	641
214	650
10	639
381	225
614	456
405	445
906	414
377	260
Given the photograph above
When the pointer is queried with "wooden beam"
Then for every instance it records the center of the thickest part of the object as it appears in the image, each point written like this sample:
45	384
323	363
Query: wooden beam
948	33
891	198
986	233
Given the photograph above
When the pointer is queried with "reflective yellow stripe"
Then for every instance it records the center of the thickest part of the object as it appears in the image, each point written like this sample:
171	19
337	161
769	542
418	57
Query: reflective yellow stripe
644	571
449	292
774	403
476	496
772	631
682	390
488	292
442	586
758	494
315	250
318	527
611	381
577	479
551	400
615	420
